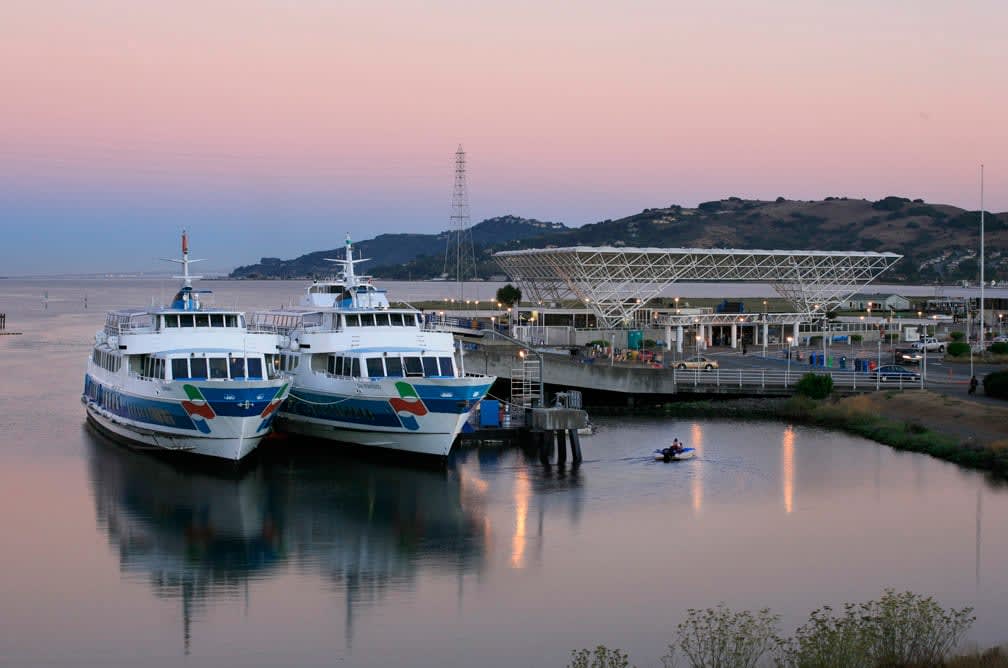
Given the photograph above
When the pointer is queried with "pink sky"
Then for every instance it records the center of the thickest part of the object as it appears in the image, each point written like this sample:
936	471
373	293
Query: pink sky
347	113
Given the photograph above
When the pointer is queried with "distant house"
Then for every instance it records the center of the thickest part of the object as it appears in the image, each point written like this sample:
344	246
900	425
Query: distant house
862	302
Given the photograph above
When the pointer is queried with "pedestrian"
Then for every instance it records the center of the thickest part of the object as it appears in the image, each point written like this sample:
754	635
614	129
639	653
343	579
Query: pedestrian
743	347
972	385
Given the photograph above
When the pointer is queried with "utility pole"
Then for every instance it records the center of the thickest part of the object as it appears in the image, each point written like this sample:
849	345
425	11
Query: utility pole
981	259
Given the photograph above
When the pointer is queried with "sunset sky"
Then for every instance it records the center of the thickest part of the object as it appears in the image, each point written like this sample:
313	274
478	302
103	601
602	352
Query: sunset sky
273	127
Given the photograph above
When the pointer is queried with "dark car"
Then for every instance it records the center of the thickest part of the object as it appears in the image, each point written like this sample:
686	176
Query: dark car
907	356
897	373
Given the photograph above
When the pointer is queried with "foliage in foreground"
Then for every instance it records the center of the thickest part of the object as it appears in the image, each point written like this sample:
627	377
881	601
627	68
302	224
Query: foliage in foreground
815	385
722	638
600	657
899	630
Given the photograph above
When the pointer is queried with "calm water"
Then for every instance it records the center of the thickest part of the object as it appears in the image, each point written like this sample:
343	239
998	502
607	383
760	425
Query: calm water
309	560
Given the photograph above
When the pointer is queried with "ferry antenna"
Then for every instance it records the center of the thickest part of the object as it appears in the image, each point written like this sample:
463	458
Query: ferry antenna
185	261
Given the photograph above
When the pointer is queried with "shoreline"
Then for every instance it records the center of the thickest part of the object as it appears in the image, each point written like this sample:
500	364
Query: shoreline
971	434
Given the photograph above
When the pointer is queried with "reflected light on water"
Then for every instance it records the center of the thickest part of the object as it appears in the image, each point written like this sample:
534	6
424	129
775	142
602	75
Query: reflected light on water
522	491
787	464
696	485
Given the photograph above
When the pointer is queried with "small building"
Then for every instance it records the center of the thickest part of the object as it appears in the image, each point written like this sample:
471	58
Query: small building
862	302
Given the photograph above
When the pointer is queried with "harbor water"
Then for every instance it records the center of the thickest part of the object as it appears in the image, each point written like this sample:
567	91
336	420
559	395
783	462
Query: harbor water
310	558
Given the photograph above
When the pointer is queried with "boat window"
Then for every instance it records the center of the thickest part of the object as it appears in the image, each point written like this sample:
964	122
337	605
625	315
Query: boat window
355	367
216	319
186	320
230	320
159	368
430	366
218	367
382	319
393	367
171	321
396	319
237	366
375	368
241	321
415	319
179	368
202	319
255	367
413	366
330	365
352	320
198	367
447	368
367	319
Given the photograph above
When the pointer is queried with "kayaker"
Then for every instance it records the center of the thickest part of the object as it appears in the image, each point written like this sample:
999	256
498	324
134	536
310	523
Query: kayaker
676	446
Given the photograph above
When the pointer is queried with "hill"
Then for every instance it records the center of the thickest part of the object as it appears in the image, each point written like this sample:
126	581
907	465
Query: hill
939	242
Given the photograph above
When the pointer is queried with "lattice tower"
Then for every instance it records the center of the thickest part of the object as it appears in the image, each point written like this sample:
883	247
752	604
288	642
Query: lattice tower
460	254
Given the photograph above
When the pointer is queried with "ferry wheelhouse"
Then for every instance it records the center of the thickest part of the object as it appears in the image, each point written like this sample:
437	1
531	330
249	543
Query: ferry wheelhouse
185	377
367	374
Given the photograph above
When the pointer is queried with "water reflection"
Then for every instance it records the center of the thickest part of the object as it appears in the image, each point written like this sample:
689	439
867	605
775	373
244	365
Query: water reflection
696	484
197	535
788	467
194	535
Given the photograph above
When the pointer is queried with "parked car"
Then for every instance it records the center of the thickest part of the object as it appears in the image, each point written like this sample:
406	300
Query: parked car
704	363
930	344
895	372
907	356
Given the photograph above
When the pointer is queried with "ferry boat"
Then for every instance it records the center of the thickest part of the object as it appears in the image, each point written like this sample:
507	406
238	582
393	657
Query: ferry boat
367	374
185	377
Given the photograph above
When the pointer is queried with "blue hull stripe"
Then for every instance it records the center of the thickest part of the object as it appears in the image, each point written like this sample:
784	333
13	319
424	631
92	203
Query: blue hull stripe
158	413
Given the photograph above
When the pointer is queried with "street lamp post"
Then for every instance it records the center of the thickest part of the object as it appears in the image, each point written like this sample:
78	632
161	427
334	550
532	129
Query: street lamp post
787	376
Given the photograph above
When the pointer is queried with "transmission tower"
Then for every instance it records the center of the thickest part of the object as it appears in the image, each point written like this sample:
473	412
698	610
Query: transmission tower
459	248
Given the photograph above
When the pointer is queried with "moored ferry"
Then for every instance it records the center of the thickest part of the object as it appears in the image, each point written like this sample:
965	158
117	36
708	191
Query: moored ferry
368	374
185	377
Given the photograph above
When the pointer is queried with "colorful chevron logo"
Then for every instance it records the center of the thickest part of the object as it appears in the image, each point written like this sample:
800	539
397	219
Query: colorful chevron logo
408	406
267	413
198	408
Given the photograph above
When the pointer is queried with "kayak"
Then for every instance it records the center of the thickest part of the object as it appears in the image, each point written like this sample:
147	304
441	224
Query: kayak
667	456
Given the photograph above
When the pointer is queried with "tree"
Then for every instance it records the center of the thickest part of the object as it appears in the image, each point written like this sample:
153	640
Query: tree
509	295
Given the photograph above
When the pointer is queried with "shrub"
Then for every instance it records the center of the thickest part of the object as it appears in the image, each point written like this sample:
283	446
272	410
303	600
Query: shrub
957	336
999	348
721	638
856	338
957	349
996	384
815	386
600	657
897	630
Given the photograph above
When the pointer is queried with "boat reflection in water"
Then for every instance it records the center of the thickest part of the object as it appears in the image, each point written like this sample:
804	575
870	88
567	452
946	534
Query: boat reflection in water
201	535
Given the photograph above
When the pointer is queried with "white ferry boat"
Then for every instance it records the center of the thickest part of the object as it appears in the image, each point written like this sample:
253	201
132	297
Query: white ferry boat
367	374
184	377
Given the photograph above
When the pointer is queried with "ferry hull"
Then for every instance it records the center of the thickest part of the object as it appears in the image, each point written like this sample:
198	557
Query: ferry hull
425	422
231	449
226	423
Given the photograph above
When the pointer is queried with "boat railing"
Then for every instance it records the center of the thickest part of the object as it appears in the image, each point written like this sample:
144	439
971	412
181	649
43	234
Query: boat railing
283	324
117	324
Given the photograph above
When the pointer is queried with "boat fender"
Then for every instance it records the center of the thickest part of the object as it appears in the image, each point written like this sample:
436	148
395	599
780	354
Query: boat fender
294	345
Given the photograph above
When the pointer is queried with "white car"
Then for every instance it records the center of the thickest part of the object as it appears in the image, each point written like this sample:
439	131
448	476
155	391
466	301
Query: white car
930	344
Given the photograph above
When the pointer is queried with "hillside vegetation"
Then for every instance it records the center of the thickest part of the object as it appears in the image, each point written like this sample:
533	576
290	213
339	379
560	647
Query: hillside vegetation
939	242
